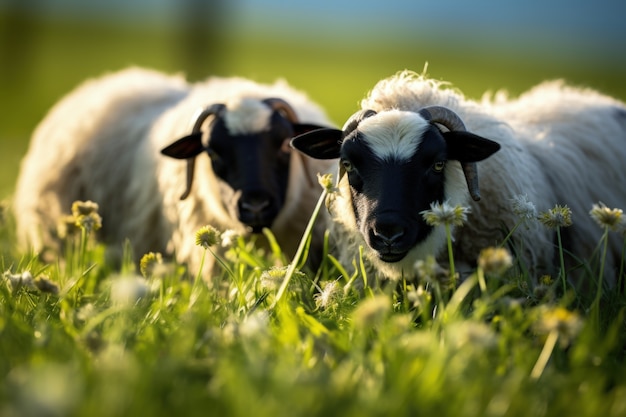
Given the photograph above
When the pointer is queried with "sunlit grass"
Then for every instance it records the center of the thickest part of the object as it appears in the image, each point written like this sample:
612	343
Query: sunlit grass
150	340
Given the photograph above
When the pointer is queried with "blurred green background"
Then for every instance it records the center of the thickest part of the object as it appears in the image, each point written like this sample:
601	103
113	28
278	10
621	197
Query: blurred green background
334	50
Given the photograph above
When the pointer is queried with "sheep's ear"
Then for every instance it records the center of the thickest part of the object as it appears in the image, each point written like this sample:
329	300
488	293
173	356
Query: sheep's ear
324	143
186	147
302	128
468	147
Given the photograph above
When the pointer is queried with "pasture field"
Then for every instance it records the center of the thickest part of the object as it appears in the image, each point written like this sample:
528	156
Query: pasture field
265	338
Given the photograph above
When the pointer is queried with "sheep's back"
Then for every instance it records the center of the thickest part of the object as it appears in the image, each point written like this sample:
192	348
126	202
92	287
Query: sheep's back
88	147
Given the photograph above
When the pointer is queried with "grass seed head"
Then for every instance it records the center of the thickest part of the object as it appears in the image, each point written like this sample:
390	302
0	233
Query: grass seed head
128	289
149	262
84	208
229	237
444	213
558	216
567	323
327	298
89	222
523	207
207	236
606	217
495	261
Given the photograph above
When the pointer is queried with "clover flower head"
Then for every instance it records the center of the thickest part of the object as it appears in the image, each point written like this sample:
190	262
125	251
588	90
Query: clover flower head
273	277
372	311
25	279
431	272
495	261
558	216
469	333
84	208
67	227
254	325
89	222
128	289
207	236
419	297
149	263
229	237
444	213
326	181
328	296
567	323
523	207
606	217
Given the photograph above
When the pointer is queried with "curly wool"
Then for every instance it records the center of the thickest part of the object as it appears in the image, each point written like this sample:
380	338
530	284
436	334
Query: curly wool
102	142
559	145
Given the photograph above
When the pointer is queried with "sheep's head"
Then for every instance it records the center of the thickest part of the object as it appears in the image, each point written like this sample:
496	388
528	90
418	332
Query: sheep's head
249	152
397	164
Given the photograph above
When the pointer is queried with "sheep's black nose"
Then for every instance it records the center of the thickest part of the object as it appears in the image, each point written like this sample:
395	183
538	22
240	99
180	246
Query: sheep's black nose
388	234
254	206
256	210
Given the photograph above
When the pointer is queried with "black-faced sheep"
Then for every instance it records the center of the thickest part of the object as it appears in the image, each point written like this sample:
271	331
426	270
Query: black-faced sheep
408	148
107	140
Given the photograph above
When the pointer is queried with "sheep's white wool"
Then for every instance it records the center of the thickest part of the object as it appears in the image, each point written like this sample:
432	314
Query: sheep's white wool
559	145
394	134
247	115
102	142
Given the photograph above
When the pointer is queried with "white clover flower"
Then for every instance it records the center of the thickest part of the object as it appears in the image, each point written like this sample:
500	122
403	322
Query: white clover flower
149	263
419	297
567	324
559	216
523	207
229	237
495	261
606	217
469	335
25	279
371	311
326	181
255	324
128	289
273	277
207	236
327	297
84	208
444	213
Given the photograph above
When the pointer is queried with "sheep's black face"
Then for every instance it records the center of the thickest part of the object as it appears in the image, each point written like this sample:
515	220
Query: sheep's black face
254	168
395	162
390	191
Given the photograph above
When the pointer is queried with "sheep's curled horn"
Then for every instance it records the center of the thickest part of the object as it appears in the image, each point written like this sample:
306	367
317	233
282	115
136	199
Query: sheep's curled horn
276	104
449	119
215	109
280	105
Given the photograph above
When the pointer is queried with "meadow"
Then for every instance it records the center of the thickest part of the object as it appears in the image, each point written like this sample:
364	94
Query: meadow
268	337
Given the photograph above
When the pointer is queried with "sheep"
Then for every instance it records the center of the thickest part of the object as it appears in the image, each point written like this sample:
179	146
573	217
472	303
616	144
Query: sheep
113	141
408	147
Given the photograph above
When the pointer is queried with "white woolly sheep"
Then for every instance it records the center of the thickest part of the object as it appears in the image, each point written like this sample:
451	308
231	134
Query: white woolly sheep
103	142
406	148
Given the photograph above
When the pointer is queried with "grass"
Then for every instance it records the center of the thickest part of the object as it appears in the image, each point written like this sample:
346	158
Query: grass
79	338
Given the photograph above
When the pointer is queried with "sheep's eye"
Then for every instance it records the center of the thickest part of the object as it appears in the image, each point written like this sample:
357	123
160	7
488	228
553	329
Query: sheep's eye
439	166
347	165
